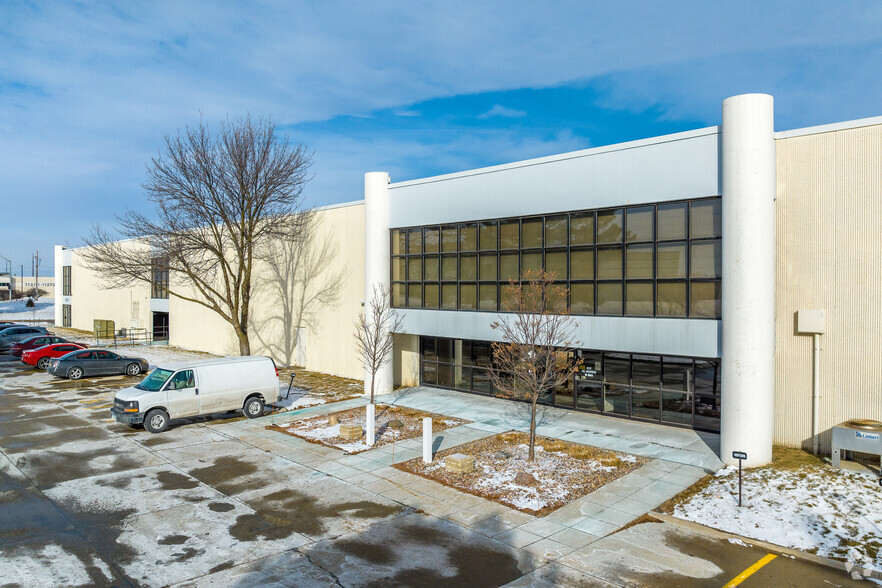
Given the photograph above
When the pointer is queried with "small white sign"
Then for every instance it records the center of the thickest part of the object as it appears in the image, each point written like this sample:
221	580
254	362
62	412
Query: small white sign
867	436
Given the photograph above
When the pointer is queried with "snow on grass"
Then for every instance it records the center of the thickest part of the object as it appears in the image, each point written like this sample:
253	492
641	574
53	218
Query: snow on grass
44	309
564	471
833	513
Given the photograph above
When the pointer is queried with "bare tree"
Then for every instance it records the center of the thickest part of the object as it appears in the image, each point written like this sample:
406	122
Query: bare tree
375	332
301	283
218	201
531	359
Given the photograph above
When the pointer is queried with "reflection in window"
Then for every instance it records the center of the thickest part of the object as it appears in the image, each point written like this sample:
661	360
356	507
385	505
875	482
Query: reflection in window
609	226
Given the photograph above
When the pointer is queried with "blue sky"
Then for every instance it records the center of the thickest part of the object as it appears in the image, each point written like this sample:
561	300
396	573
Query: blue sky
88	90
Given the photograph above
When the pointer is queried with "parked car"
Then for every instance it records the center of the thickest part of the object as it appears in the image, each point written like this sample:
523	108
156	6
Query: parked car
41	356
11	335
95	362
39	341
196	388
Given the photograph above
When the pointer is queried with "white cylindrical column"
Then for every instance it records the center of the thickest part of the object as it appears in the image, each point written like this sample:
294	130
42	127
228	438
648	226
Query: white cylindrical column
376	258
427	439
370	422
748	283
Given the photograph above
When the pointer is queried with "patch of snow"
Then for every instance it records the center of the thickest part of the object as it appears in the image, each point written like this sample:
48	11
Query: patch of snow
736	541
834	513
44	309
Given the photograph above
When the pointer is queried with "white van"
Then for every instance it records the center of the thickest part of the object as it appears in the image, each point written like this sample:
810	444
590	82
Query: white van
199	387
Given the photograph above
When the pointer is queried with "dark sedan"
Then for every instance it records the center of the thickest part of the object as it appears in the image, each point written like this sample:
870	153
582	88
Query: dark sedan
36	341
95	362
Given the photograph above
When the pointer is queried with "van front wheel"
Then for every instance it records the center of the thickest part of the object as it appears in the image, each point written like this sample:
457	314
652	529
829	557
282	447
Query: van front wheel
156	421
253	407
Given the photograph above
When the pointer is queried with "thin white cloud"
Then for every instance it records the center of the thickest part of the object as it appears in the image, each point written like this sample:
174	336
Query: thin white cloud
502	112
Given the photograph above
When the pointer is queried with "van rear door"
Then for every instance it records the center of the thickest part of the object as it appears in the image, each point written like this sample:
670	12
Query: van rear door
183	394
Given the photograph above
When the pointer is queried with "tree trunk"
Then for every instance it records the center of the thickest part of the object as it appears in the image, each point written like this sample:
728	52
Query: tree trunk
372	387
244	342
532	429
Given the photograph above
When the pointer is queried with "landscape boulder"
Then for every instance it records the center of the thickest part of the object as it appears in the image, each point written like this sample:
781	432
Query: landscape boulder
524	479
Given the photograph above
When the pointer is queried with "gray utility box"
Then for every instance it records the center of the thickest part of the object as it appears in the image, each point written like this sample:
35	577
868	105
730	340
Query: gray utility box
864	436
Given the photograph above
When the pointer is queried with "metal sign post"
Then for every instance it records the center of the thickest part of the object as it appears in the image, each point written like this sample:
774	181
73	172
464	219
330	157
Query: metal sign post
739	455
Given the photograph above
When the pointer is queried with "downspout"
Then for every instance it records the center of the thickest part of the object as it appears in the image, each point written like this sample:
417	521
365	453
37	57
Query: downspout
816	393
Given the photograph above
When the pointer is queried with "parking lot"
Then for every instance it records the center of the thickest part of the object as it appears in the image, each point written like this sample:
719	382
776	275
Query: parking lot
220	501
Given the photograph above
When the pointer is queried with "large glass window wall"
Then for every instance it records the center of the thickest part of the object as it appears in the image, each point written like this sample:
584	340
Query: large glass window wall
660	260
678	391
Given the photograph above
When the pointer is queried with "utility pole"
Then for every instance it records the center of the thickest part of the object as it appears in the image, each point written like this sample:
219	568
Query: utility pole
36	276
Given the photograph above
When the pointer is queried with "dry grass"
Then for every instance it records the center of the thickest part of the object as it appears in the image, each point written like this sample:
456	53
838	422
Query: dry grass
565	471
783	458
411	426
325	386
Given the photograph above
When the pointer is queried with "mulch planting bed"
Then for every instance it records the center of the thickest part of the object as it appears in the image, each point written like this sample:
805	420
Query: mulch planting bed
394	424
561	472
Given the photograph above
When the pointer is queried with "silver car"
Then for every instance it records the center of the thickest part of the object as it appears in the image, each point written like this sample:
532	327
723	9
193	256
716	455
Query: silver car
15	333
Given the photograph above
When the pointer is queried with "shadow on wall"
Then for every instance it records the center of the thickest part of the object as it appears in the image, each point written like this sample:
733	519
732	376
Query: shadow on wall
302	284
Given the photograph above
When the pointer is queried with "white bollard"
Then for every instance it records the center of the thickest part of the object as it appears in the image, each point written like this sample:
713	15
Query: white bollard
370	424
427	439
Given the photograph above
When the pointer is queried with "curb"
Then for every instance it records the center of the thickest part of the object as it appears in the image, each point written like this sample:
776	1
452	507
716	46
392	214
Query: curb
835	564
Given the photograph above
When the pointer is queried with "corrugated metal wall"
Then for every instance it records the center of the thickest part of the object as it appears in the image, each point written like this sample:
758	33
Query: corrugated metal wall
829	241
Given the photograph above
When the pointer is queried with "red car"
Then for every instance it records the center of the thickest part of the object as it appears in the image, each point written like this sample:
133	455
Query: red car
38	341
41	356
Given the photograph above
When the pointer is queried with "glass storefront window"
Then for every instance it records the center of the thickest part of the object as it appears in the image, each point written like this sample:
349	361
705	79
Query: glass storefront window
468	268
487	270
448	296
399	269
488	236
448	239
671	260
556	263
398	295
582	228
487	297
705	299
431	268
414	241
671	251
609	263
582	264
672	221
556	231
609	226
414	269
468	237
414	296
640	222
637	386
638	298
509	235
638	262
508	266
399	242
468	297
706	260
431	295
707	219
530	262
609	299
448	268
433	240
531	233
582	298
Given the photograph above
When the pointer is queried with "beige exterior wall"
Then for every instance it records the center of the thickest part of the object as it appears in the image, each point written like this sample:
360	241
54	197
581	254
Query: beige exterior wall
406	361
829	256
285	296
126	307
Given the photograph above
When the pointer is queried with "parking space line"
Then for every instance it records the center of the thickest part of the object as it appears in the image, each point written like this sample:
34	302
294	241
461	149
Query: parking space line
750	571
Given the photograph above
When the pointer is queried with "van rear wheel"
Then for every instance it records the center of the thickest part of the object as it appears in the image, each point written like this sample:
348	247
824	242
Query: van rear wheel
156	421
253	407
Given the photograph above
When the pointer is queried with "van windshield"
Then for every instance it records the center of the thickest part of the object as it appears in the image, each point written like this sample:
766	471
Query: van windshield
154	380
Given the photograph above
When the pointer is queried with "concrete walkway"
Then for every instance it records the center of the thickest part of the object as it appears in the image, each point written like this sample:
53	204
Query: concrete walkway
680	458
